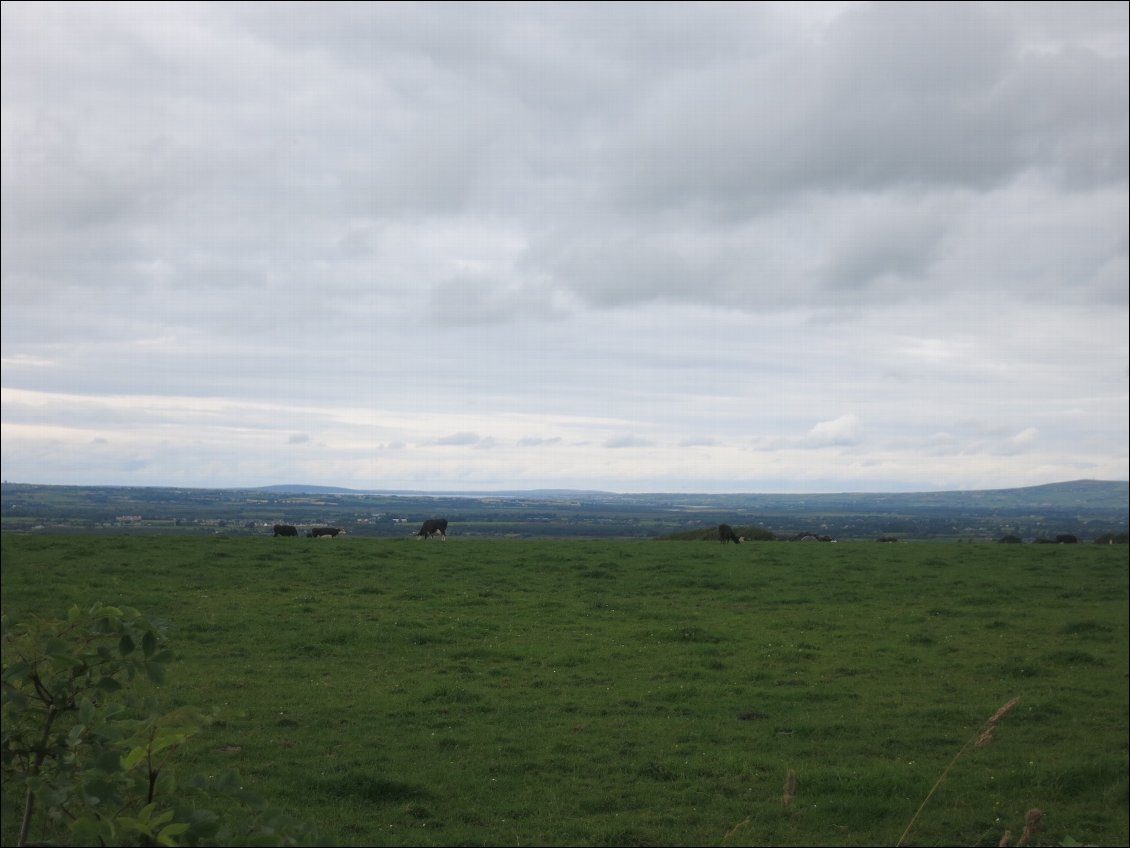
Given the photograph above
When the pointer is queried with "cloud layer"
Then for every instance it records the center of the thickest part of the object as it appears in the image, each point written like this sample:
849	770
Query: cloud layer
705	247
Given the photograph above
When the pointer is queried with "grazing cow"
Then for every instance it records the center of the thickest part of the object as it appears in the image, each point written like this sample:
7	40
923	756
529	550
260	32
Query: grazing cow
433	526
810	537
286	530
319	532
726	534
1067	539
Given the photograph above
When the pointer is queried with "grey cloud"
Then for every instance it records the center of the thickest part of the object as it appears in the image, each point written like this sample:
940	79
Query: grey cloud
539	441
421	126
698	442
458	439
631	266
896	96
730	219
471	298
629	441
887	244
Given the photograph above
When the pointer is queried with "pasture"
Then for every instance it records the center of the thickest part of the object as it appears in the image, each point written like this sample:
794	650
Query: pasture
633	693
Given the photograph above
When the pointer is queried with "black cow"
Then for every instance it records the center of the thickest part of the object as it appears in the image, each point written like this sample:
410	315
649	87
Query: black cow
318	532
1067	539
433	526
726	534
286	530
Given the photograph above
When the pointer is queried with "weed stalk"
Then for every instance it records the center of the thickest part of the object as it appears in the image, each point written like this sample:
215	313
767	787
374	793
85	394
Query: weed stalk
790	788
979	741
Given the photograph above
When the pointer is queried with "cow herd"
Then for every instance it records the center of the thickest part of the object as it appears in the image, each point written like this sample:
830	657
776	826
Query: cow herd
438	527
431	527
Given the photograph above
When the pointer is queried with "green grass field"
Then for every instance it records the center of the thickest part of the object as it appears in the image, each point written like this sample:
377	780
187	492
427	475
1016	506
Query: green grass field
644	693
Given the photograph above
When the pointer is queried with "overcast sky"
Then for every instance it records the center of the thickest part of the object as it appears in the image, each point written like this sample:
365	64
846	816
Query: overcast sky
757	247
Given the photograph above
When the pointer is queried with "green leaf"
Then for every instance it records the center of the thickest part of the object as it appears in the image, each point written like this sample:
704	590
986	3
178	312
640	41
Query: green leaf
108	761
155	672
87	711
135	756
109	684
56	647
125	645
168	835
162	818
98	791
93	831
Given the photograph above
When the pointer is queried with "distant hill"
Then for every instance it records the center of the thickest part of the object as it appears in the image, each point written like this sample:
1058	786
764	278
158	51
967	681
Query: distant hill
306	489
1102	494
1077	492
546	494
1083	493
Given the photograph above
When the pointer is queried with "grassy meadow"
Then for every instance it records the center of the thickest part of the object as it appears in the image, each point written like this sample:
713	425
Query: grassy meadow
634	693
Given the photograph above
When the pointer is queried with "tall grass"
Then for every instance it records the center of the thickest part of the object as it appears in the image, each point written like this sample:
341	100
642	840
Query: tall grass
635	693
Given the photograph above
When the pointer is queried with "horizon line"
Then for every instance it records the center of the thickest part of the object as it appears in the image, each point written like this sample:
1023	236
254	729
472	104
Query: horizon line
565	490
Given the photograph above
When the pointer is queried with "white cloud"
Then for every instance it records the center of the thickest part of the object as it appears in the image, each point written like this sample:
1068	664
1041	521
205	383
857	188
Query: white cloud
845	430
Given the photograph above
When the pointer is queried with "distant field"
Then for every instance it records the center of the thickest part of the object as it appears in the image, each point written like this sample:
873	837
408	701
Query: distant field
1092	510
633	693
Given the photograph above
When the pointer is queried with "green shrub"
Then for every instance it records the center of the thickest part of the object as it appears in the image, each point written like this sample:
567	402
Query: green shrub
88	755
